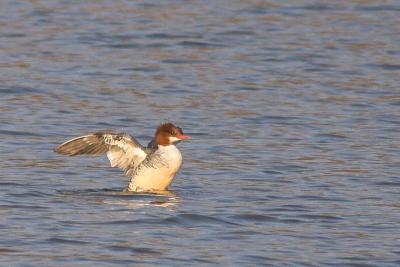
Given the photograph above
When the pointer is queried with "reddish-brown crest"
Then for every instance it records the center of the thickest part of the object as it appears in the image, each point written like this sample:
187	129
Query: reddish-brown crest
164	131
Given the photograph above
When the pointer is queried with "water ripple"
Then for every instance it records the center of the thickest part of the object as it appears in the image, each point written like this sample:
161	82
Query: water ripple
292	108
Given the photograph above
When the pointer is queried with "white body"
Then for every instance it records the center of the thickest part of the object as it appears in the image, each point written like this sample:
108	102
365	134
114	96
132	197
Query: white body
156	172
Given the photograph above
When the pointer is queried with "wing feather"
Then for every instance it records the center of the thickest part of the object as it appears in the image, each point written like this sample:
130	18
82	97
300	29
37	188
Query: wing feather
122	150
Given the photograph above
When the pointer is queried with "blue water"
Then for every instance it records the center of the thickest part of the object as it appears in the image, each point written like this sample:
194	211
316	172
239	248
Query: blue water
293	108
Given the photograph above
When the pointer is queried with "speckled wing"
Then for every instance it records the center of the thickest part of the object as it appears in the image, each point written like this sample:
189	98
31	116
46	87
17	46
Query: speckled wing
122	150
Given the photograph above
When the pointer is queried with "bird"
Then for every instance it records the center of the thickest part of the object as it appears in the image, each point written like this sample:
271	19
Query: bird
151	168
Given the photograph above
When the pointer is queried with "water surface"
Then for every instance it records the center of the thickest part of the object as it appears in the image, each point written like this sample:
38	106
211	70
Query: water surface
293	107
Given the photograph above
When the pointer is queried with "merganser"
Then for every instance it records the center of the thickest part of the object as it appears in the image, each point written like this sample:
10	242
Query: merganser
151	168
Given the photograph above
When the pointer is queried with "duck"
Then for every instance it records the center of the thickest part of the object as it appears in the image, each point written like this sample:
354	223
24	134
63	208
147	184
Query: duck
151	168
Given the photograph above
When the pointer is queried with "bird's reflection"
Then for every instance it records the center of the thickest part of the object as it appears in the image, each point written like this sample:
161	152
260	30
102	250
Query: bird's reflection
134	200
165	199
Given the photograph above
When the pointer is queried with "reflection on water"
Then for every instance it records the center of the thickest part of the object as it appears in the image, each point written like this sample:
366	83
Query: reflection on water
293	107
164	203
164	199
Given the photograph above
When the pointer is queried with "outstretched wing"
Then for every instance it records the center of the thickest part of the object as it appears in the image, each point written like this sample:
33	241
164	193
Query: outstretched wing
122	150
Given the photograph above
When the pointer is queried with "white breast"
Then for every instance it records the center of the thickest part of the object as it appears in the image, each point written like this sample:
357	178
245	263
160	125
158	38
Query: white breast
157	173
